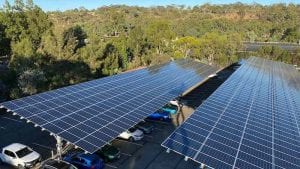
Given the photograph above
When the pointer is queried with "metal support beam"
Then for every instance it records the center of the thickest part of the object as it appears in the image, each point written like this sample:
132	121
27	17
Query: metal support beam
59	146
203	166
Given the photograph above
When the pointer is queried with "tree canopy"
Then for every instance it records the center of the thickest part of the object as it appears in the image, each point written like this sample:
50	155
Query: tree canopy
47	50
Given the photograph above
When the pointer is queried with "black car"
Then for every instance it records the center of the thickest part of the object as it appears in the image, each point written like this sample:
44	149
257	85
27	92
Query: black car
147	128
109	153
57	164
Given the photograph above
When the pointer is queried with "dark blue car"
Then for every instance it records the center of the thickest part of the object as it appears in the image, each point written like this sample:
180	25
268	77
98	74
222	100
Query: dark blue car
160	115
85	161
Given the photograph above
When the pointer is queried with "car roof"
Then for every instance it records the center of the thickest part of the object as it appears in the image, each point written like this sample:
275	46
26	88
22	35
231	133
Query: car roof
161	111
14	147
89	157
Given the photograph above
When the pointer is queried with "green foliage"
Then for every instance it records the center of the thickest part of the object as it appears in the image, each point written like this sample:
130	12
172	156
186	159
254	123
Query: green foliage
275	53
54	49
73	39
186	47
111	60
4	42
159	33
292	35
31	80
24	47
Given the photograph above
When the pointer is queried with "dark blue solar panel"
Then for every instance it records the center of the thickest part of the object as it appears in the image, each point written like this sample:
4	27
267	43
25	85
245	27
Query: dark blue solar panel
83	113
250	121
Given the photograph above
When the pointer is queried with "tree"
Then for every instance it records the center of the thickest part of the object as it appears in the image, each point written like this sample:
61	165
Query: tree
111	60
186	47
73	39
4	42
30	5
37	25
31	80
6	6
292	34
23	48
19	5
211	46
159	34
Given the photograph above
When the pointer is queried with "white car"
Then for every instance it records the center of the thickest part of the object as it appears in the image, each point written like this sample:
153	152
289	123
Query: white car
19	155
178	103
212	75
132	134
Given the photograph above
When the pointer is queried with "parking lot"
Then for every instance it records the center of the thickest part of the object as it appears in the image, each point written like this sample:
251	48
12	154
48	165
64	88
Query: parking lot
145	154
15	130
148	153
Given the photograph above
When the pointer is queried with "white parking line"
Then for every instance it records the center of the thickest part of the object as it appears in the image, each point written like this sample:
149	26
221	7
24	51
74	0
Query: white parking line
42	146
19	121
127	154
129	142
112	166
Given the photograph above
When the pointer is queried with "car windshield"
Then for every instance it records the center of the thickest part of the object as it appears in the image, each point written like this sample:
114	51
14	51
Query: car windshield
23	152
170	106
106	147
61	165
94	161
131	130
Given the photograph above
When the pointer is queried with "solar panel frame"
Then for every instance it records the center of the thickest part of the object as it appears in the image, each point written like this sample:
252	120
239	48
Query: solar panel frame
91	114
251	120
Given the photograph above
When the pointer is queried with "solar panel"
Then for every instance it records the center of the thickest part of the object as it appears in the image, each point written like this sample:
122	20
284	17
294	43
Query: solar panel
251	121
93	113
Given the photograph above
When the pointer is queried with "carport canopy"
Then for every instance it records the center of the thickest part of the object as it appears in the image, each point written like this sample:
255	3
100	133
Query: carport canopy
91	114
251	121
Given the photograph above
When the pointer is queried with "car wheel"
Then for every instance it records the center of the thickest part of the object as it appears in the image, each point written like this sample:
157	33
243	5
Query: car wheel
131	139
21	167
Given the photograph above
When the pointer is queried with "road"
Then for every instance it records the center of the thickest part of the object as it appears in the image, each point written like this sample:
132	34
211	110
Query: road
248	46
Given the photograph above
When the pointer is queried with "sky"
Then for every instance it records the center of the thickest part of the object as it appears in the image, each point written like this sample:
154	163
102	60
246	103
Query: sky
52	5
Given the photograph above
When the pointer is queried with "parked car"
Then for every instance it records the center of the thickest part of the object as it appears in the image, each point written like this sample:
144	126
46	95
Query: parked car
160	115
175	102
19	155
172	109
57	164
84	161
178	102
147	128
212	75
109	153
132	134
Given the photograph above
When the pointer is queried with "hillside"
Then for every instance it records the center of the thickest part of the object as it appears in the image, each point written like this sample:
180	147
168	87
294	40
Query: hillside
47	50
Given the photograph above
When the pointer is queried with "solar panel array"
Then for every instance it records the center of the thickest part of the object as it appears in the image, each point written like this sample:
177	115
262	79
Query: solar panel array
93	113
251	121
